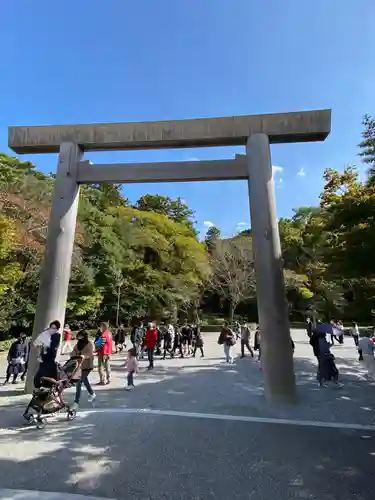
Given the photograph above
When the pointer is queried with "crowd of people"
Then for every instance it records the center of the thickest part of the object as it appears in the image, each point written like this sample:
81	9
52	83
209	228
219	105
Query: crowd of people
167	340
154	340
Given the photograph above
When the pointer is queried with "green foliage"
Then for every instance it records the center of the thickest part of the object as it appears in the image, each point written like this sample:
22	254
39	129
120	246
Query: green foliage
149	259
175	209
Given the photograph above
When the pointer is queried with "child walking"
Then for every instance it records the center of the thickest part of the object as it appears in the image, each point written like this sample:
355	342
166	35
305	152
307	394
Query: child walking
132	367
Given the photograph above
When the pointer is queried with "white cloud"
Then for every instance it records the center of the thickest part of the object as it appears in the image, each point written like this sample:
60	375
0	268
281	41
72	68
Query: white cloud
192	159
276	169
241	226
301	172
208	223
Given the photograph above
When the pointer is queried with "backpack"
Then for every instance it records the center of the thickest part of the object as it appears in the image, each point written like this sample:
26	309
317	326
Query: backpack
230	341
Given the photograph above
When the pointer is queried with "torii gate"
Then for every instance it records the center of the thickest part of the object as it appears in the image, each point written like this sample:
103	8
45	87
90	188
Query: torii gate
254	131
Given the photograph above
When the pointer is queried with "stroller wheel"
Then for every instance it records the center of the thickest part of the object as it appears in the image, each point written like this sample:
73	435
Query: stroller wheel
71	415
41	423
29	417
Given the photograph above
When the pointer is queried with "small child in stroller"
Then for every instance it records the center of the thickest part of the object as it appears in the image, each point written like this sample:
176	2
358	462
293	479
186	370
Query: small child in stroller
48	398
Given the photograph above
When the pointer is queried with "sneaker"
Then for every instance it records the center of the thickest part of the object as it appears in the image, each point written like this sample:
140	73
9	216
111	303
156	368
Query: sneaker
91	398
128	388
74	406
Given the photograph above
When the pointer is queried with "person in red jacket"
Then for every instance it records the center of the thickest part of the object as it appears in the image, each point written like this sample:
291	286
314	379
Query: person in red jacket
104	353
150	343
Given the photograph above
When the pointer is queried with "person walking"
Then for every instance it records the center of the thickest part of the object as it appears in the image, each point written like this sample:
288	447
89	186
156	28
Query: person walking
198	344
85	350
178	343
120	339
340	331
136	337
309	326
67	340
168	340
245	340
355	333
104	352
228	339
150	343
16	359
367	348
132	368
186	338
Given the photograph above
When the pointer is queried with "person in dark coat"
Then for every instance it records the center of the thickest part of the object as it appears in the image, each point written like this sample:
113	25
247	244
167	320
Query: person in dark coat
198	341
16	359
120	339
178	343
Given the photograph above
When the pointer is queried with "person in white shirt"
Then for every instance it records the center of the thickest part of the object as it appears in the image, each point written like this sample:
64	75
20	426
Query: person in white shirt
355	333
367	348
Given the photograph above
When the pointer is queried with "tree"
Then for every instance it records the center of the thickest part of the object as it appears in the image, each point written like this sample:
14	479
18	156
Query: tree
350	209
350	246
175	209
233	274
212	236
155	257
303	242
367	146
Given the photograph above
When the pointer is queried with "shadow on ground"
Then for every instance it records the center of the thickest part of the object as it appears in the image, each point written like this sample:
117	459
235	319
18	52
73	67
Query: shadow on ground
126	455
237	390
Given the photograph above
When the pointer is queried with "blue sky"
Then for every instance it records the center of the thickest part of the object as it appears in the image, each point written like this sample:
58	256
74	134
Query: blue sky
88	61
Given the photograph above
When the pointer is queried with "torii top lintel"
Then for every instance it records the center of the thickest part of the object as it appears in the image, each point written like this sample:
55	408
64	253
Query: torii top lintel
302	126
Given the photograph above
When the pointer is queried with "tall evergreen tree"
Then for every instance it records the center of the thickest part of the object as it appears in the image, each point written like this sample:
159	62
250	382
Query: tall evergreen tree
367	146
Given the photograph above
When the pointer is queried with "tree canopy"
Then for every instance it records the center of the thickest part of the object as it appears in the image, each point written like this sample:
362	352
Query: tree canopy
151	255
148	255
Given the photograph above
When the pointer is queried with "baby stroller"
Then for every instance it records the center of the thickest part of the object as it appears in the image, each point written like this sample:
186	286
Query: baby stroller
48	399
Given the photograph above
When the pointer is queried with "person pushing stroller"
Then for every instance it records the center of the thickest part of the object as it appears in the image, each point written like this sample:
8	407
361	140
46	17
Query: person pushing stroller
48	344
